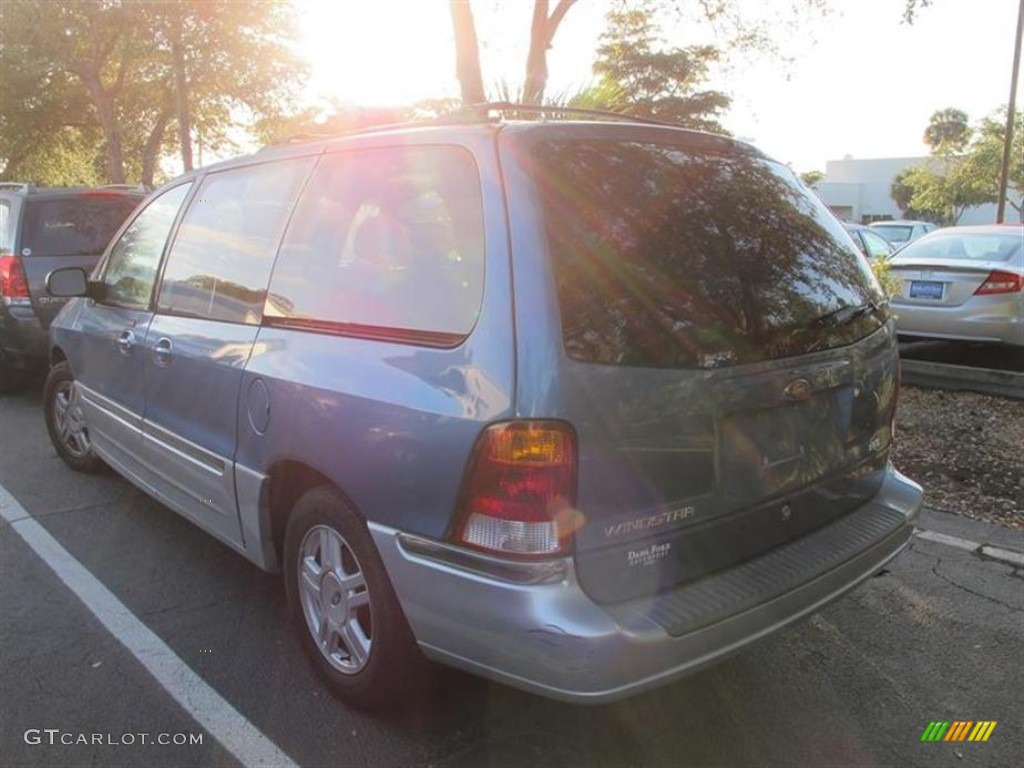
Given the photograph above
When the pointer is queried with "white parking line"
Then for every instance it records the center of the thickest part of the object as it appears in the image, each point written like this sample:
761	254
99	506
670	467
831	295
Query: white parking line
949	541
203	703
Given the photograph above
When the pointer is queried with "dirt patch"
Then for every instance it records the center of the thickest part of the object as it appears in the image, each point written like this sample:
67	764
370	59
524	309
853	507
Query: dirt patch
967	450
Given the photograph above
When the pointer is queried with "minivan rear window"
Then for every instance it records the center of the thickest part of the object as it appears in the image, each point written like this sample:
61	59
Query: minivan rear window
73	226
665	257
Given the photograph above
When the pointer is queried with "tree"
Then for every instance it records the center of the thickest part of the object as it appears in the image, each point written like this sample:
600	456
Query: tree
467	53
127	71
902	191
964	169
948	132
542	34
656	82
812	178
944	190
984	158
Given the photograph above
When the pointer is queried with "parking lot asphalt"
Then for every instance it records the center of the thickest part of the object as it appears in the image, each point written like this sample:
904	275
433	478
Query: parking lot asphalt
940	636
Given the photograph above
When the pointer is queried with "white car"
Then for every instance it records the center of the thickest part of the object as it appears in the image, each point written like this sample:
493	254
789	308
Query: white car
963	283
903	231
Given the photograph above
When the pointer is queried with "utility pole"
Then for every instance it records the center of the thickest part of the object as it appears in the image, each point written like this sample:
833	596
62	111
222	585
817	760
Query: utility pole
1004	172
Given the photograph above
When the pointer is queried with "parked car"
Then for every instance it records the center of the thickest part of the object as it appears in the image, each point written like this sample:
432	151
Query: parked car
902	231
42	229
870	243
963	283
577	406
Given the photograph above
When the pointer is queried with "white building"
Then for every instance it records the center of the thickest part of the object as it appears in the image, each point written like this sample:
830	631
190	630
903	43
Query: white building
858	190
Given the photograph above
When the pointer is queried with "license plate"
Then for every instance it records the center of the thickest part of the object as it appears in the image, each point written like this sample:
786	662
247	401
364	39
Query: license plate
925	289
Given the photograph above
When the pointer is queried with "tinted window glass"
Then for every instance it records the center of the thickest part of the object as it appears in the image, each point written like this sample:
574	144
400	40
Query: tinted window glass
78	225
666	258
130	270
386	239
221	258
953	245
896	233
878	246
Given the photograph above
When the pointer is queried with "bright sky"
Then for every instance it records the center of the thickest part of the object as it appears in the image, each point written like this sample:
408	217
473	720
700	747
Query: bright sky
862	83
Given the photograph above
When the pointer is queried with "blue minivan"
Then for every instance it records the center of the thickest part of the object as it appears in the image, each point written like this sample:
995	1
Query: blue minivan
578	406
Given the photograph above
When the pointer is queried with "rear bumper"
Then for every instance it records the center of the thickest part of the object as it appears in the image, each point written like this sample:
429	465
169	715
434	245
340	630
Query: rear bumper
533	627
23	340
988	318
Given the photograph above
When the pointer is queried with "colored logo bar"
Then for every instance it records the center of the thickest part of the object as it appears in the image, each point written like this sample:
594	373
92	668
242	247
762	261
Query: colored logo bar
958	730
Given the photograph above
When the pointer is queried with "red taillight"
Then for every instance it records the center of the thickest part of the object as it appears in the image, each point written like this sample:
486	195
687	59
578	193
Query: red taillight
1000	282
13	284
519	493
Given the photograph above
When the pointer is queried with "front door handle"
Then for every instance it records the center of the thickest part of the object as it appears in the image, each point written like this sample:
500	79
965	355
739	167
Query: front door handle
126	342
162	351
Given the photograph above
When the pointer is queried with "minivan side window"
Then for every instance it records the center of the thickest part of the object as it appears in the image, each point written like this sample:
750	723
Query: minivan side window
220	260
385	243
130	269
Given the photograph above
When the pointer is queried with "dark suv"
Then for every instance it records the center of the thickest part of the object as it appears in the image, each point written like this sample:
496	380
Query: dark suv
42	229
581	407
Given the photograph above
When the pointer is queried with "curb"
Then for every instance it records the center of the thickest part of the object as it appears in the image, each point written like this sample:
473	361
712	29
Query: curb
988	551
987	381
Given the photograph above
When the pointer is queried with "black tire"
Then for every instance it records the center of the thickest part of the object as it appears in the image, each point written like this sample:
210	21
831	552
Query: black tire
393	670
77	454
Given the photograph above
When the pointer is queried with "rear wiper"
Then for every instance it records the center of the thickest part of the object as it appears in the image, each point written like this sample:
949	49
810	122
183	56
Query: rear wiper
844	315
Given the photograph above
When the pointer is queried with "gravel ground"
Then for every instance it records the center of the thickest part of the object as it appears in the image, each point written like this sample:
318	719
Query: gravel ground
966	449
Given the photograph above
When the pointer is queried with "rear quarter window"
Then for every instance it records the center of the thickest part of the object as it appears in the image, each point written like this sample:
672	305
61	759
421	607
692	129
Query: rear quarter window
386	243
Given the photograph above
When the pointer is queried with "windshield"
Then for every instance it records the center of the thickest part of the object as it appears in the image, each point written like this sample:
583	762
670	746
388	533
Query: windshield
71	226
895	233
668	258
972	247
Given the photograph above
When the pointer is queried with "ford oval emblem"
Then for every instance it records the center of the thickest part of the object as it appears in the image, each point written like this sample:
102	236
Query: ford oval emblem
797	390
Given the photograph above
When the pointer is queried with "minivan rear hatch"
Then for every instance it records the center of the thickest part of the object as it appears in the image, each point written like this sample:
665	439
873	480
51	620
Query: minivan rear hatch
729	361
69	229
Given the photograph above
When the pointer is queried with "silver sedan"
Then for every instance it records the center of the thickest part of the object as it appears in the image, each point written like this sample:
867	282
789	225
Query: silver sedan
963	283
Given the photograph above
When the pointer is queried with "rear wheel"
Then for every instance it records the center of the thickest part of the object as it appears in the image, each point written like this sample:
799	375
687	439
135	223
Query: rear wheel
65	423
343	607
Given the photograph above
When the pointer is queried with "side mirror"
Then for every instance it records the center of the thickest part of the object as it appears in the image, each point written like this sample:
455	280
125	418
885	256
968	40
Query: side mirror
67	282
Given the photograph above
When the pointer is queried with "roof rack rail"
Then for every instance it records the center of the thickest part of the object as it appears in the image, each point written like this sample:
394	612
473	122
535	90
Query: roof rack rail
140	187
469	113
23	186
483	108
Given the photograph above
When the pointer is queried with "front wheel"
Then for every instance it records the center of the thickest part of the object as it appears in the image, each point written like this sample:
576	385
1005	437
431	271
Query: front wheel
343	606
65	423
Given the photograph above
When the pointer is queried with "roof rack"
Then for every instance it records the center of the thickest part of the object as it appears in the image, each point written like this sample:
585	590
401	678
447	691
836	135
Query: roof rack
483	108
131	187
21	186
469	113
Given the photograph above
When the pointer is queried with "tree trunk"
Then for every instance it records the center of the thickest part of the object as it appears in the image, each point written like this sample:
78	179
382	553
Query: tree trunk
151	152
467	53
103	100
542	32
181	92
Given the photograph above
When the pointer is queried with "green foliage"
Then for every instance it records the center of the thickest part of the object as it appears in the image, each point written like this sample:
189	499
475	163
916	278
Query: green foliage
649	80
811	178
891	284
986	154
114	79
948	132
964	169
